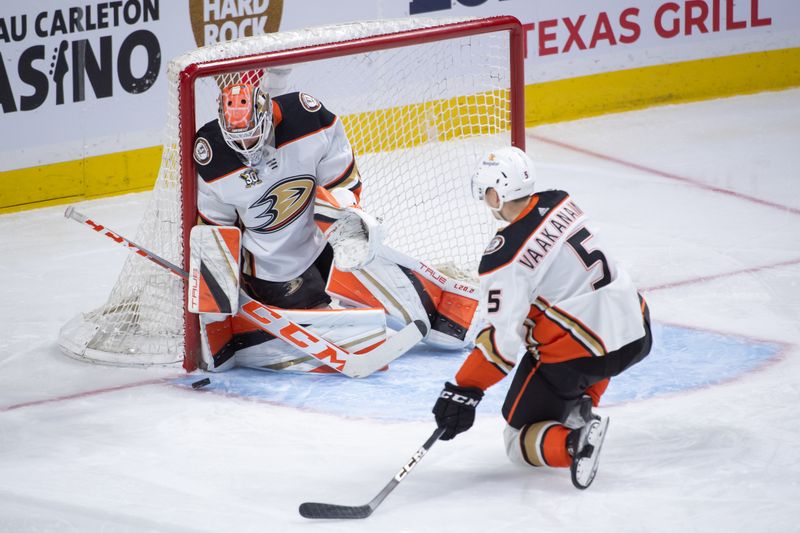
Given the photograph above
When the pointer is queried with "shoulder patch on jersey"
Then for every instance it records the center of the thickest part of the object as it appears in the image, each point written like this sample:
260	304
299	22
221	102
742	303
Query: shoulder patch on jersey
310	103
301	115
516	234
495	244
213	156
202	151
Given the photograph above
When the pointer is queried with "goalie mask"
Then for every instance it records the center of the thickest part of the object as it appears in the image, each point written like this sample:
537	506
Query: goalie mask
509	171
245	118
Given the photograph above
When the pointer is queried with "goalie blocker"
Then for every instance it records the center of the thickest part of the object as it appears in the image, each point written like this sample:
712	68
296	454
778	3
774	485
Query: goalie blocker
391	288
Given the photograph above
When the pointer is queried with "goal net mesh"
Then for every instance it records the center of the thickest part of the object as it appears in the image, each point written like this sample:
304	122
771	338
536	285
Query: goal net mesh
418	117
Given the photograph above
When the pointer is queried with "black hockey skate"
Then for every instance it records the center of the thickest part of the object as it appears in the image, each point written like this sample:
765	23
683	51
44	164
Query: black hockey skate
584	445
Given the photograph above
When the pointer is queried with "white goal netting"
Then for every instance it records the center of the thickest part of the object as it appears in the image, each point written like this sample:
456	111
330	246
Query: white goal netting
418	116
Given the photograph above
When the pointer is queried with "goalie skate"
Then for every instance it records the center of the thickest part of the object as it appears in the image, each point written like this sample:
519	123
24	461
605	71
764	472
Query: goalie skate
585	444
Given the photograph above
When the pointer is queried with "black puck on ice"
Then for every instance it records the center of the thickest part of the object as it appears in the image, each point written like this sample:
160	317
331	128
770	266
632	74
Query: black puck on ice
200	384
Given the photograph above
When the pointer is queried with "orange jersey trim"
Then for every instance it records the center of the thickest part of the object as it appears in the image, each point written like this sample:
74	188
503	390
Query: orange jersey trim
528	208
277	114
556	342
476	371
326	196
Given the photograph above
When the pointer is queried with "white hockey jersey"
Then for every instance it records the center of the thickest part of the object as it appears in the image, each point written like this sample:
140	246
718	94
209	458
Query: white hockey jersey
547	285
273	201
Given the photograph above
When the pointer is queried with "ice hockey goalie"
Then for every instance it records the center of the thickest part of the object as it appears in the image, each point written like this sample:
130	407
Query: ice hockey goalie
283	171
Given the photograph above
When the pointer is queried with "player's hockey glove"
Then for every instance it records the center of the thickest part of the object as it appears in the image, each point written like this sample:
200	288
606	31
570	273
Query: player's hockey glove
455	409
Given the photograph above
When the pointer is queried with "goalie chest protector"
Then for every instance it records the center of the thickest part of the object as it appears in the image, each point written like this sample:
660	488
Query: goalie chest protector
274	199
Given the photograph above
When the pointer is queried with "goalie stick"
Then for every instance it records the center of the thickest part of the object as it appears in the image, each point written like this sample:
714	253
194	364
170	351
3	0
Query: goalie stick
330	510
271	320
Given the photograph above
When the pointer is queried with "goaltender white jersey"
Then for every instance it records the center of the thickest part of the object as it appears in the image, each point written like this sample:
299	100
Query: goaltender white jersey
548	285
273	201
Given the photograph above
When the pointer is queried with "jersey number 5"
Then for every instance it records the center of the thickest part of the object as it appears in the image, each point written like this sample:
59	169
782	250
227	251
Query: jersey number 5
588	258
494	300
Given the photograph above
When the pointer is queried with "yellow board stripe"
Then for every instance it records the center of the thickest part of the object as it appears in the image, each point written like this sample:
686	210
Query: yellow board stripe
689	81
556	101
71	181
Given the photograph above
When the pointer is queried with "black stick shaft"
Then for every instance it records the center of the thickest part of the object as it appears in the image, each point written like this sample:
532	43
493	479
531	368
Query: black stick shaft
401	475
327	510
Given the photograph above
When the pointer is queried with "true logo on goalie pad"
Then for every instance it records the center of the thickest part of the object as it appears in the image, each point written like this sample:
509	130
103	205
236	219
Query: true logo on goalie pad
202	151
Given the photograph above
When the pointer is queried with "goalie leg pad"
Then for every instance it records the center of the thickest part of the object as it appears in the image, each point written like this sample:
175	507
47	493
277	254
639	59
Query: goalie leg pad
455	323
384	284
454	318
214	269
411	290
217	346
355	330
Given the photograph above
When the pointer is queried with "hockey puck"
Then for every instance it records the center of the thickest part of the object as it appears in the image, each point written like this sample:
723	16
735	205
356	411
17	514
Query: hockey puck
200	384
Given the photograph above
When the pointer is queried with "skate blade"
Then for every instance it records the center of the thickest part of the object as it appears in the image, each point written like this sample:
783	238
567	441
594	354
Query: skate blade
584	468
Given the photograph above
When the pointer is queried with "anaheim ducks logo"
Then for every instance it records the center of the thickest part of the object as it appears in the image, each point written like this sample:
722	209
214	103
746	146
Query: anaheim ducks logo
283	203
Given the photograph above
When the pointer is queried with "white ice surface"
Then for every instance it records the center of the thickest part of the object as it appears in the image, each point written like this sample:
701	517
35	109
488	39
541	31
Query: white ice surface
90	448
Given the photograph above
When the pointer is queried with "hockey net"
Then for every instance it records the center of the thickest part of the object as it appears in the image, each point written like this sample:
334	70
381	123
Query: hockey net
421	100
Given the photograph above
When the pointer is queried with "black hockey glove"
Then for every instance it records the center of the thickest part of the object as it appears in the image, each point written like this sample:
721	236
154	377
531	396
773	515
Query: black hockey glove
455	409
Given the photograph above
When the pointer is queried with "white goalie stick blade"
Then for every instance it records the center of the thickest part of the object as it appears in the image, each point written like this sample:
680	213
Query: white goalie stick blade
214	269
354	365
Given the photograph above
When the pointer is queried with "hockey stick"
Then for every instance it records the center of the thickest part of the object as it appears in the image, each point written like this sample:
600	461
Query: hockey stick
330	510
130	245
271	320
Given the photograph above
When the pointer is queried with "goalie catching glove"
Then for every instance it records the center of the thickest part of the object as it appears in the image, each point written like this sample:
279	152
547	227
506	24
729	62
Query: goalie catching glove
354	234
455	409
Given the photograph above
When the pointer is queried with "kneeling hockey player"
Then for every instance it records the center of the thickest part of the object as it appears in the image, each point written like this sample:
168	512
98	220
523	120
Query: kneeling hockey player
284	172
550	288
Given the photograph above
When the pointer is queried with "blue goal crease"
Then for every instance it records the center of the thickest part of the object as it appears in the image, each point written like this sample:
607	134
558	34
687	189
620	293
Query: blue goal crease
682	359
